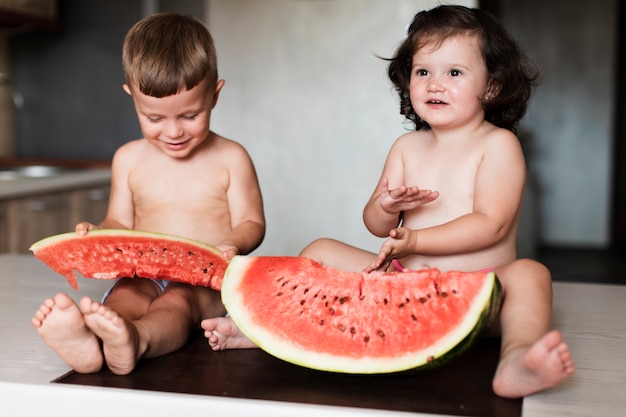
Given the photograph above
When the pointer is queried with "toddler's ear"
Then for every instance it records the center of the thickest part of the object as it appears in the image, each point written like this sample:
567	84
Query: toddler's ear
492	91
127	89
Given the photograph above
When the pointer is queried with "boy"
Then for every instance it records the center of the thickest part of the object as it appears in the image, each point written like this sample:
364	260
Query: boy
181	179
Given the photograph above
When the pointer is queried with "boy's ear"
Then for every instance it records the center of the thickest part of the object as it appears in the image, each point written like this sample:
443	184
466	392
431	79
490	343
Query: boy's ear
216	93
127	89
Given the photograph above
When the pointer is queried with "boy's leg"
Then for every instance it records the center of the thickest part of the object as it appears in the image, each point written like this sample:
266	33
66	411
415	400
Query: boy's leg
128	300
61	325
132	297
178	312
532	358
164	327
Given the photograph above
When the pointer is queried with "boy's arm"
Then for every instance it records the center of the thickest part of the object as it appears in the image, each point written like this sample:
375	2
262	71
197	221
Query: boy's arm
120	212
246	207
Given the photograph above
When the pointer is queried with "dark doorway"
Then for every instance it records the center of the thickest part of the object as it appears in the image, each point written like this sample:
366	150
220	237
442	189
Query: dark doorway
618	187
618	217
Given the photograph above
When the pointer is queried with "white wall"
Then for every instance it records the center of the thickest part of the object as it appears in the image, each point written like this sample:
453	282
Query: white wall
309	99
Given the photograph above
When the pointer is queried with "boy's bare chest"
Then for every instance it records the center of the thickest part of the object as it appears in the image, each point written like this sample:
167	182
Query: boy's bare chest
178	184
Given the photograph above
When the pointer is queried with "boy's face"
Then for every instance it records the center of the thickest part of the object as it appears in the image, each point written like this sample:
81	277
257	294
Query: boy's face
179	123
448	81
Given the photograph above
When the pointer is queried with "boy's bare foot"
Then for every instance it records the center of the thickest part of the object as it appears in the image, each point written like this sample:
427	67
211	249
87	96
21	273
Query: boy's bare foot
120	340
528	370
222	334
62	327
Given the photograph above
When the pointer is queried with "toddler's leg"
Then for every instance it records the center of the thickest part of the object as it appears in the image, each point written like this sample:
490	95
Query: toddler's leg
62	327
338	255
222	334
532	357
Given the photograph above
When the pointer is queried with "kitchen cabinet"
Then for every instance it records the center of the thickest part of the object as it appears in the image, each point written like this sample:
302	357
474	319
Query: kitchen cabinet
31	218
90	205
29	14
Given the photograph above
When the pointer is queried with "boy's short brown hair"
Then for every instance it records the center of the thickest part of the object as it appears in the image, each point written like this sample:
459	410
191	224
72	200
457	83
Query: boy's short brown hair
165	53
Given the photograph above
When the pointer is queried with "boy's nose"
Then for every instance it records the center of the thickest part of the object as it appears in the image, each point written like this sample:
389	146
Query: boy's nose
174	130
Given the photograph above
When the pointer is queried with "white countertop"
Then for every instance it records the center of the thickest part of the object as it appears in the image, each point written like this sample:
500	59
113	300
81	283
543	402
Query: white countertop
591	318
66	181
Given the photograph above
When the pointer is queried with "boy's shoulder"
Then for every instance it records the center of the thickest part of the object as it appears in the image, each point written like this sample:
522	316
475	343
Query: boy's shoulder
226	145
130	152
132	145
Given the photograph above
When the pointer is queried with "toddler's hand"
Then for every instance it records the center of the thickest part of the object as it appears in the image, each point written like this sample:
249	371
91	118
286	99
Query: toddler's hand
403	198
401	243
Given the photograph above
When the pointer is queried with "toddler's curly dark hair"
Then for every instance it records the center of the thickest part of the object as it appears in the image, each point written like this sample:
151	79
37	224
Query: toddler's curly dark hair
511	74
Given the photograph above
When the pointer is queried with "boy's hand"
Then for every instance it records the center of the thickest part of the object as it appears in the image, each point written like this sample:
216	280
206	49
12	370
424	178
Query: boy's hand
401	243
83	227
403	198
228	251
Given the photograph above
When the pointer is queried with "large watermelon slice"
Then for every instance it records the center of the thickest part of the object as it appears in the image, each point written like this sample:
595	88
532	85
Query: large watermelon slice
326	319
112	253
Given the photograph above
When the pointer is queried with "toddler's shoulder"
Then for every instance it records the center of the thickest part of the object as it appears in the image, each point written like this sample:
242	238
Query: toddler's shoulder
498	137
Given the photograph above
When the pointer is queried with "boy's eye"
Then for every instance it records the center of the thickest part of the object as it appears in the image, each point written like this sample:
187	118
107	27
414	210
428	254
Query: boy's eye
154	119
455	73
189	116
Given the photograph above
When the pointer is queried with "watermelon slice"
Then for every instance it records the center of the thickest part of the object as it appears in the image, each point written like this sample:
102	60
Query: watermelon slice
112	253
322	318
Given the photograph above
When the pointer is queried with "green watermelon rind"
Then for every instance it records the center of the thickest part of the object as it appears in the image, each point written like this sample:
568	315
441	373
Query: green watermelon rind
50	242
479	317
488	316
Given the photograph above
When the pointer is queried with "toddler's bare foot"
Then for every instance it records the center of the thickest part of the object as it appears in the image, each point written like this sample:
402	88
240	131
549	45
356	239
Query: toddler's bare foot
120	340
222	334
528	370
62	327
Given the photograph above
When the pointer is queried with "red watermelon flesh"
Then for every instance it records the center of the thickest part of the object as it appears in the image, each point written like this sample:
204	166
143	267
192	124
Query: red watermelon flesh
323	318
111	254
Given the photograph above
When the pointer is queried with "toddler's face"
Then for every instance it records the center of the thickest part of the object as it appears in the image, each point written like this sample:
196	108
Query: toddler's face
179	123
448	81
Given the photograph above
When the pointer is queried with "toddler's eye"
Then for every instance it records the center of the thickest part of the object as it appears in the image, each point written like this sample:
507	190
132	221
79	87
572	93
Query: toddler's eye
455	73
189	116
421	72
154	119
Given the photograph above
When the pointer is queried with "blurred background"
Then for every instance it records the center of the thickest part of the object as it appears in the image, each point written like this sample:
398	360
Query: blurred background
307	94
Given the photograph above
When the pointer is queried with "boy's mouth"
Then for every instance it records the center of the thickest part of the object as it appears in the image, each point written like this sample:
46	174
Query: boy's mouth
176	145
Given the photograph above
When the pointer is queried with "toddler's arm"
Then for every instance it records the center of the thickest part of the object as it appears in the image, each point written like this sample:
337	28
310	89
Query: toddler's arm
383	211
